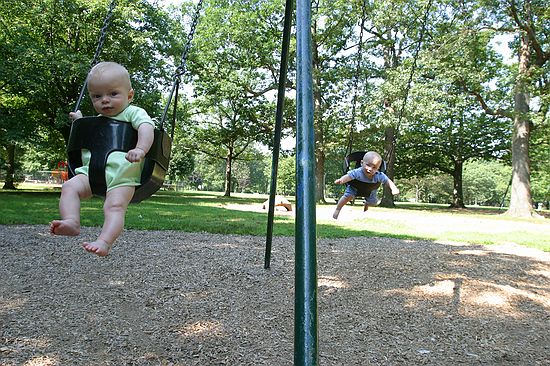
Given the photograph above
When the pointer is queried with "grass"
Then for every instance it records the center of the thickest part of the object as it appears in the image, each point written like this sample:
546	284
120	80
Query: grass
213	213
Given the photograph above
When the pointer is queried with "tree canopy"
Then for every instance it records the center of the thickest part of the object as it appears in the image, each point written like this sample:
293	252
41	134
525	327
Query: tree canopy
418	81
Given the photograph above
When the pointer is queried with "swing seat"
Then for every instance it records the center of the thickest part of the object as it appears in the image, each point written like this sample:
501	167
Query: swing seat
101	136
353	161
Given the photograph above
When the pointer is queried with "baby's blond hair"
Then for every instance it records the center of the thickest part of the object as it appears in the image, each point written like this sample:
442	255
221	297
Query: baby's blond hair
372	157
111	70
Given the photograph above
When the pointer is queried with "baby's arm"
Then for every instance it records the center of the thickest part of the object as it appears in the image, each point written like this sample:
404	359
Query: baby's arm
393	187
146	134
75	115
343	179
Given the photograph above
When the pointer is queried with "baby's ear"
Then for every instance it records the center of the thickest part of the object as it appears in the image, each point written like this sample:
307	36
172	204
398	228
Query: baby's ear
130	95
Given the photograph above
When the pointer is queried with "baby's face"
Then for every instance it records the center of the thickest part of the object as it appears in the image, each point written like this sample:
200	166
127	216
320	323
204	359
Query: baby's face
110	96
370	167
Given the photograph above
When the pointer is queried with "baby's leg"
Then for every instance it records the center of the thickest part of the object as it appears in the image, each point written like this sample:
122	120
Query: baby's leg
114	208
371	200
73	190
341	203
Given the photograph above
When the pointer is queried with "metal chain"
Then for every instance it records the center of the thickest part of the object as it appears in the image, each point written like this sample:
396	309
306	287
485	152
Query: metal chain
391	150
102	35
103	32
180	70
182	67
359	60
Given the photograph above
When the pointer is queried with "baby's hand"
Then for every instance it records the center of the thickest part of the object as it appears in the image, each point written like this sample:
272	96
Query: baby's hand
75	115
135	155
395	191
338	181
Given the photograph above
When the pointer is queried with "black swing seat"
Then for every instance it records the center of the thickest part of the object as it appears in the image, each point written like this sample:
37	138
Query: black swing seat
353	161
103	135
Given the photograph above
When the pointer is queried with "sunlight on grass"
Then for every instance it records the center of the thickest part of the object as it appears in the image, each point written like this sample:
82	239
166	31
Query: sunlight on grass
243	214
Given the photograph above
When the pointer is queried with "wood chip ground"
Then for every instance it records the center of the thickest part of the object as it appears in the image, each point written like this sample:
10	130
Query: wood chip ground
175	298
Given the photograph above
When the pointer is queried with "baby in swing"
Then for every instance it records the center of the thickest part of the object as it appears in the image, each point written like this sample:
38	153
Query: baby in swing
111	92
368	173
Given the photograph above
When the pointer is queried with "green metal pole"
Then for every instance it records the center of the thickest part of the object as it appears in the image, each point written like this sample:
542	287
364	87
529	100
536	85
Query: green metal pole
305	313
278	128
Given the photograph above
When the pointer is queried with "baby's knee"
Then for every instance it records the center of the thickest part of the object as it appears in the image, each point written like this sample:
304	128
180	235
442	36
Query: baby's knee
371	201
70	186
348	196
115	205
78	184
118	200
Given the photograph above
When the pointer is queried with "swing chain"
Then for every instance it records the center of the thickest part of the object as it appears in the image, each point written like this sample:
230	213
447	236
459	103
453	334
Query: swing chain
183	65
356	76
103	32
180	70
391	150
102	35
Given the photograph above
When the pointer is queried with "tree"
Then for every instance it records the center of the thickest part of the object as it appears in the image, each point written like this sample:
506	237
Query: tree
395	31
445	141
182	162
287	176
233	74
528	20
333	35
485	182
47	48
16	122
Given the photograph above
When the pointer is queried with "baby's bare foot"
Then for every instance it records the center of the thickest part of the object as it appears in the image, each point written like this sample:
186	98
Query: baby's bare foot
98	247
65	227
335	214
365	207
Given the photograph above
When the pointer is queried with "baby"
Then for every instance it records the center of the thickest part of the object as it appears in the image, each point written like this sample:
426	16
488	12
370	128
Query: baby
111	92
368	173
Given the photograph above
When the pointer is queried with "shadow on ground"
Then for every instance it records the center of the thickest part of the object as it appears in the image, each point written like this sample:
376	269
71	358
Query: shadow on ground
173	298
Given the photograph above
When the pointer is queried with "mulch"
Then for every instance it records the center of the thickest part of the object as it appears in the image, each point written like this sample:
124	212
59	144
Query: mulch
175	298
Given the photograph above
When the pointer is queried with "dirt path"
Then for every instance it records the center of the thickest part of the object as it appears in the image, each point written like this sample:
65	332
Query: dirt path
172	298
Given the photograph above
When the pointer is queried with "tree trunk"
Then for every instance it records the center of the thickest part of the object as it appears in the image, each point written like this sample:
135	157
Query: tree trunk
319	133
228	162
391	61
520	199
458	193
389	148
10	171
320	176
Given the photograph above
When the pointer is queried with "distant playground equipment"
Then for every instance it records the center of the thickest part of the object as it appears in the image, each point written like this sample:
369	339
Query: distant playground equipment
60	174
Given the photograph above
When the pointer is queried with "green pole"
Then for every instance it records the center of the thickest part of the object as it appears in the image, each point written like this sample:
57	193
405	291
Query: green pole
305	303
278	128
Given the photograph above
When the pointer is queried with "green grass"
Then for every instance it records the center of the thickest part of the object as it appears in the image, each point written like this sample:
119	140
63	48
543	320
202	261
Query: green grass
211	212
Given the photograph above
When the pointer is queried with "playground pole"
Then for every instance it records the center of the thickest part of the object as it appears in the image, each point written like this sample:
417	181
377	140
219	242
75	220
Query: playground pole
305	303
278	128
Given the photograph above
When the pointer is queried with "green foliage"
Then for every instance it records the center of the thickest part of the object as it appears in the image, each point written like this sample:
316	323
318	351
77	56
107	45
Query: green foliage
434	188
182	163
250	174
47	47
286	177
209	173
540	162
485	182
232	76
